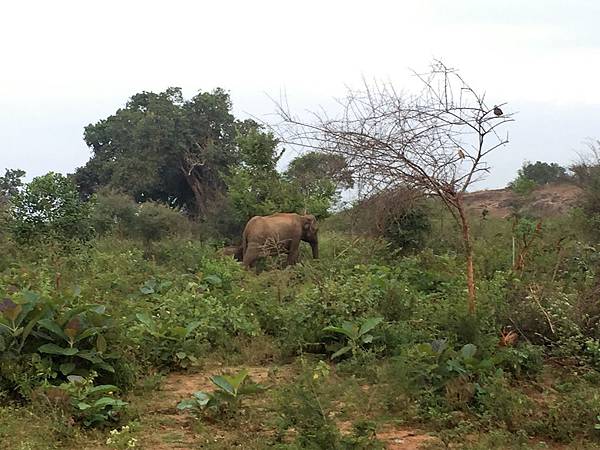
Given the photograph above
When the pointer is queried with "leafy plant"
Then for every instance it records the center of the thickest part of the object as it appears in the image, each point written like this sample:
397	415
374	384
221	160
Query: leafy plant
226	399
357	335
17	320
77	335
39	335
170	339
92	405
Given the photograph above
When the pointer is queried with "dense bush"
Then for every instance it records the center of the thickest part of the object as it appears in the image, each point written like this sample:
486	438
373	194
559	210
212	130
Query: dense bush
399	216
49	208
119	214
45	340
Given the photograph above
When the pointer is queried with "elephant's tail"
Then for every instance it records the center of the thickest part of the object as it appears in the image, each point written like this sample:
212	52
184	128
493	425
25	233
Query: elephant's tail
244	243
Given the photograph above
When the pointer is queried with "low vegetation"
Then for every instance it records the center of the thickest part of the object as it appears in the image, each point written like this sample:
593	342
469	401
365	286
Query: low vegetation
123	325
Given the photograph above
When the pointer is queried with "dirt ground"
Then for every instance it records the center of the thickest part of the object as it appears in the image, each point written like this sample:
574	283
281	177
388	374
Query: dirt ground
167	428
545	201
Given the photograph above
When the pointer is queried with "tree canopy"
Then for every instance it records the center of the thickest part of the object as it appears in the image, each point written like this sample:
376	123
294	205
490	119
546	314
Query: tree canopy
542	173
163	147
194	154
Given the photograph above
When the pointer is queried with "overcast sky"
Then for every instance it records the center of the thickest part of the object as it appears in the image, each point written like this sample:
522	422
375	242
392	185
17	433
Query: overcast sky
65	64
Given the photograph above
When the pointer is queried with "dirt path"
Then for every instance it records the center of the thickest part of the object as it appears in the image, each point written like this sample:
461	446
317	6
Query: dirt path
163	427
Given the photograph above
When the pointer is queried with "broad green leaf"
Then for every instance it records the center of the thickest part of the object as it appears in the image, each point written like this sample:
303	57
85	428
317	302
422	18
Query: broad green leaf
25	310
341	352
333	329
369	324
351	329
108	401
103	388
105	366
29	327
83	406
53	327
91	356
67	368
101	344
54	349
222	383
86	333
202	398
237	380
468	350
81	309
98	309
426	349
104	401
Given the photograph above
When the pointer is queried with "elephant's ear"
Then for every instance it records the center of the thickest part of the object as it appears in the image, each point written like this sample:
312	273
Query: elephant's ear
310	222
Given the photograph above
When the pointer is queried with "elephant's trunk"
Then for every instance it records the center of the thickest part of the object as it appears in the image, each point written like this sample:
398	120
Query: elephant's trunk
315	248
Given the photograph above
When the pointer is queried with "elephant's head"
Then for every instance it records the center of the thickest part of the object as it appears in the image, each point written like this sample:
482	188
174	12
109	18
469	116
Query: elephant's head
309	233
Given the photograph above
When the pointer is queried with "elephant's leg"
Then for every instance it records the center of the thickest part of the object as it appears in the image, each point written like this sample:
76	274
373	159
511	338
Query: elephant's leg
293	252
251	255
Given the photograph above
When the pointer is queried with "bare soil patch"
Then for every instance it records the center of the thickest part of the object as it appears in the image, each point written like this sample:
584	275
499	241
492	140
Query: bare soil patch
546	201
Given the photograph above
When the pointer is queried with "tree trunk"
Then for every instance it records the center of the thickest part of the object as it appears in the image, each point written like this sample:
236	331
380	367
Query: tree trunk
198	191
466	235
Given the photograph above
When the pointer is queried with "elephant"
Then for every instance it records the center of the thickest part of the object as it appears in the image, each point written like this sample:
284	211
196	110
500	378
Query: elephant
283	232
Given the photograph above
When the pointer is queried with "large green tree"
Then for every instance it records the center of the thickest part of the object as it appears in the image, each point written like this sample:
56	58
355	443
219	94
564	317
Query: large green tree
163	147
313	168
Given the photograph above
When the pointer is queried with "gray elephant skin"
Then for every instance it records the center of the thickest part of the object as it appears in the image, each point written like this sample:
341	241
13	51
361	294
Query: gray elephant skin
281	232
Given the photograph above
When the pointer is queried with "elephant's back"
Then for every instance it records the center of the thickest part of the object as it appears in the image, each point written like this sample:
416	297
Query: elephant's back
263	227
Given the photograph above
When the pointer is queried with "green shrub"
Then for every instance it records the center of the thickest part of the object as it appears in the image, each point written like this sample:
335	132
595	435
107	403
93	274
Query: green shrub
49	208
150	221
226	400
522	185
42	340
114	212
155	221
92	405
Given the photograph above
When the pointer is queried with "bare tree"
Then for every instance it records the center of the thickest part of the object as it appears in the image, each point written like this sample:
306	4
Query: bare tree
435	141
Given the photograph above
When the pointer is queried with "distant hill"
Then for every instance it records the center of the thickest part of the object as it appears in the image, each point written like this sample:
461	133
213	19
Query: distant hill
545	201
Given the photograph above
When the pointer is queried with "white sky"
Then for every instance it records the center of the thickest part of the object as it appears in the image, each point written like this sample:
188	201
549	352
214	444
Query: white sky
65	64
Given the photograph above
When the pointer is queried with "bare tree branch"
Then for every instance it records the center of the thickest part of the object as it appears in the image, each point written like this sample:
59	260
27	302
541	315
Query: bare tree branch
435	141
